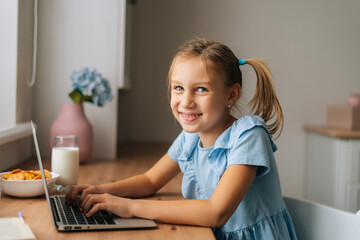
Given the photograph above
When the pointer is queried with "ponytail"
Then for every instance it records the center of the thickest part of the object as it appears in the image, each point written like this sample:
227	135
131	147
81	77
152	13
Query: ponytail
265	103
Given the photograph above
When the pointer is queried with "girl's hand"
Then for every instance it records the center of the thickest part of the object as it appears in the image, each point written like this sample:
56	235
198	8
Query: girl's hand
83	190
117	205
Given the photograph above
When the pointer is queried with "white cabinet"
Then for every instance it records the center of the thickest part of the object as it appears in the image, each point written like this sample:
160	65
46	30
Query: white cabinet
333	167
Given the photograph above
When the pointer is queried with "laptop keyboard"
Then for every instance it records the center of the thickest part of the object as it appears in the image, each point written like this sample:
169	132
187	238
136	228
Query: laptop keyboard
72	215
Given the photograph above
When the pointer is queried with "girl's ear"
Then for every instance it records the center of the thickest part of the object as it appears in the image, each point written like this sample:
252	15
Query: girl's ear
234	93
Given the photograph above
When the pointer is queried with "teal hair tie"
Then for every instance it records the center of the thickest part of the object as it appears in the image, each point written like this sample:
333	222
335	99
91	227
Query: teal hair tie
242	61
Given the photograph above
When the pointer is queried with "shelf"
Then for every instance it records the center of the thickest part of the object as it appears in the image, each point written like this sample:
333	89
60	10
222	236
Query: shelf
338	133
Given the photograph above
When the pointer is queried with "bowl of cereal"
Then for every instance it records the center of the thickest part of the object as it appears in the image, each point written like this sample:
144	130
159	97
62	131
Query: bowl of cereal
26	183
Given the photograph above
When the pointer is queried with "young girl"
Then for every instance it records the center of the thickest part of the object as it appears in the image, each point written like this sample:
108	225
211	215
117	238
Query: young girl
230	180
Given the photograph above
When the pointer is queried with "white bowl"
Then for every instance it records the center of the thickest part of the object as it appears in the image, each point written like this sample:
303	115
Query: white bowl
26	188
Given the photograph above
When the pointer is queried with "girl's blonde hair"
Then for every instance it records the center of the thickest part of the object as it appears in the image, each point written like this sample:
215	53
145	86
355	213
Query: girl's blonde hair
218	58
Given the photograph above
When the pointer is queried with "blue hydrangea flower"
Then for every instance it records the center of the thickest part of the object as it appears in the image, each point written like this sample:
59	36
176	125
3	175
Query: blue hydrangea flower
89	86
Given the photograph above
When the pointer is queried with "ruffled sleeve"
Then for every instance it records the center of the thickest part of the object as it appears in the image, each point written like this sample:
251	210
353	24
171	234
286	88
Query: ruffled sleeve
252	148
181	151
183	146
246	142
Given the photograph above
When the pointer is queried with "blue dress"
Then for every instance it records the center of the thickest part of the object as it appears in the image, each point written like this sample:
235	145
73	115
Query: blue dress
262	213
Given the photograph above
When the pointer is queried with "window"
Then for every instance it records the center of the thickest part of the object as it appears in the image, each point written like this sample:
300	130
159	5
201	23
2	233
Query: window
14	146
8	62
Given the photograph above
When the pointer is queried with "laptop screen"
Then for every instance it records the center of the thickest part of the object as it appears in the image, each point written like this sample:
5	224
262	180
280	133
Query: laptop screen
33	126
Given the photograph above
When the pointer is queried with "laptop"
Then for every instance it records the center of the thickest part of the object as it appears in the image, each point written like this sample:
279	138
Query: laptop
70	218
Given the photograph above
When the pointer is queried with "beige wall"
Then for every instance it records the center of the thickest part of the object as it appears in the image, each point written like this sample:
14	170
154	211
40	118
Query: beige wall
312	48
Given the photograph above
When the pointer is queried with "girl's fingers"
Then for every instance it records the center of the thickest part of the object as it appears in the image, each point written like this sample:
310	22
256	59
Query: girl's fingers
71	195
88	190
94	209
84	193
84	204
89	201
95	202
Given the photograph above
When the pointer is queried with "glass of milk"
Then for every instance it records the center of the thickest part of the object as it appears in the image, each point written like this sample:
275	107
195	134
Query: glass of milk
65	161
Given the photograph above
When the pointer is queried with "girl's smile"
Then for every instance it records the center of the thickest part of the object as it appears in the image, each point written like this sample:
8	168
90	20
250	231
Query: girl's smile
190	117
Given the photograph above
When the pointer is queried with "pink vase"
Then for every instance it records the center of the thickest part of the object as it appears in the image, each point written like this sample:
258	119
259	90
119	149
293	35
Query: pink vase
72	121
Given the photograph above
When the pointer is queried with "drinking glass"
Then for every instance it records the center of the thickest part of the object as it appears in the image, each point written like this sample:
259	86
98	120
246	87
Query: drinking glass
65	161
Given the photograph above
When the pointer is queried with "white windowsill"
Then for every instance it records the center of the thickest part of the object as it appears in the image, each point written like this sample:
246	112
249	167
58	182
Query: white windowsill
14	132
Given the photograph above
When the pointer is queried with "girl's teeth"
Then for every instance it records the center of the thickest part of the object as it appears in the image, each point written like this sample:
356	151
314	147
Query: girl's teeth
190	116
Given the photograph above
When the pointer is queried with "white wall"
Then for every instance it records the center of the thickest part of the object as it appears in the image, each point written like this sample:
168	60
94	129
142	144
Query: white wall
8	61
312	48
73	35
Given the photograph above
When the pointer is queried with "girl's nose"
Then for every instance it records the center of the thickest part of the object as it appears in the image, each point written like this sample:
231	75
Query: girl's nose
187	100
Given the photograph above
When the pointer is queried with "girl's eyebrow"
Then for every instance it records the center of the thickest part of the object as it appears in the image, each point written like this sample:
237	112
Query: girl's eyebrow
174	81
202	82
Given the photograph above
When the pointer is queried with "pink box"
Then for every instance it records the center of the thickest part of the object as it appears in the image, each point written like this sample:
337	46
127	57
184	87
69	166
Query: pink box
343	117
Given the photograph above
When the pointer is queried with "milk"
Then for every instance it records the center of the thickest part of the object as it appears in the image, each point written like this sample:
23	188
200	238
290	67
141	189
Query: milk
65	161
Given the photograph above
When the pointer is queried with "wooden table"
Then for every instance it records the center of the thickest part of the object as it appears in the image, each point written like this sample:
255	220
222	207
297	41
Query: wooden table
133	160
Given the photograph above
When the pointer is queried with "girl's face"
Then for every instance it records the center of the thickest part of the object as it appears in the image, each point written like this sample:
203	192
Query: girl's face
199	100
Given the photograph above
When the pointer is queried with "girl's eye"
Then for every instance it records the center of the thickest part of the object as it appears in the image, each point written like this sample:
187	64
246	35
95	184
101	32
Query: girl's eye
201	89
178	88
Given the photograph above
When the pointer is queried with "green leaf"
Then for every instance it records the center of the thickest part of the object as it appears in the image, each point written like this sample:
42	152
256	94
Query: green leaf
76	96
